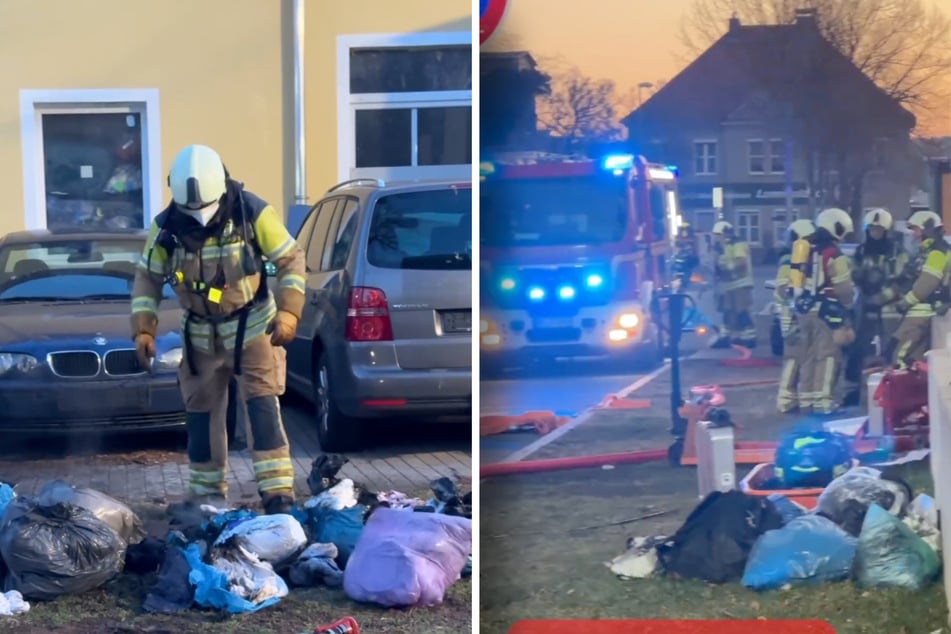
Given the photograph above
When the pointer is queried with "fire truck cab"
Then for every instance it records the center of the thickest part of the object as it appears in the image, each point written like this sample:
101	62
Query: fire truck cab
572	249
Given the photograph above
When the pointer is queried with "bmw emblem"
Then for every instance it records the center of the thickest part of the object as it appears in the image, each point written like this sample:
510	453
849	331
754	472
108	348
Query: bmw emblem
99	340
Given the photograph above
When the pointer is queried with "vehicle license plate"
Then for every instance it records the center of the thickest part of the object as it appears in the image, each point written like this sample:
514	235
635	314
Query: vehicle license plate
457	321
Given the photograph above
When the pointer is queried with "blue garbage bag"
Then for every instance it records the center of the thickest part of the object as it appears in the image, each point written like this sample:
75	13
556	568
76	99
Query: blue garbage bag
212	588
787	509
6	496
809	549
342	528
891	555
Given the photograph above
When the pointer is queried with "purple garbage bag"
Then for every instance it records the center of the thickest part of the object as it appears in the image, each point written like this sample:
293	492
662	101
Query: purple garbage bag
407	559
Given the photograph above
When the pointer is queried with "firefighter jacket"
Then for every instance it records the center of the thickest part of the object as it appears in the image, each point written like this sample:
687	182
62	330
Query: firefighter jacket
878	266
218	273
830	274
734	267
929	271
781	294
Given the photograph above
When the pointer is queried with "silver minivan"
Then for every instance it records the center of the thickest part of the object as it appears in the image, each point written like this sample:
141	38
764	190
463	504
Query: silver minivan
387	327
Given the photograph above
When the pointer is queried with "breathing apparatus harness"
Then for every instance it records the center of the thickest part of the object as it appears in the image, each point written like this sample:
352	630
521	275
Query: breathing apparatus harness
807	261
174	234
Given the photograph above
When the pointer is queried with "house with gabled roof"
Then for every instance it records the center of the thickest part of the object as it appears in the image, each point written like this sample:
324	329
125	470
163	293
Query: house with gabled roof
785	124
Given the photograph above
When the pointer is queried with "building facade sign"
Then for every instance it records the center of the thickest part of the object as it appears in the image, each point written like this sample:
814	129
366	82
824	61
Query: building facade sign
743	194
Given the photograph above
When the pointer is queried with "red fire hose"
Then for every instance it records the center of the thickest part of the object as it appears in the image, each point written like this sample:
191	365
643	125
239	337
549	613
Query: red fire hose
580	462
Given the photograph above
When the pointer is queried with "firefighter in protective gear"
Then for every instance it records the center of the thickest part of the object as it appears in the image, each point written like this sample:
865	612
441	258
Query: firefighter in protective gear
685	260
793	346
876	266
734	288
927	294
210	244
823	313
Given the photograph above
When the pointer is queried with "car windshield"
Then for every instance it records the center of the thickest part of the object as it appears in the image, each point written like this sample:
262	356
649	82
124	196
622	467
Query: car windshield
75	285
26	258
551	212
429	229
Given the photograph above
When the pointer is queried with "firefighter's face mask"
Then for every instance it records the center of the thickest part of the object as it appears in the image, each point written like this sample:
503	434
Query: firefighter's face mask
202	214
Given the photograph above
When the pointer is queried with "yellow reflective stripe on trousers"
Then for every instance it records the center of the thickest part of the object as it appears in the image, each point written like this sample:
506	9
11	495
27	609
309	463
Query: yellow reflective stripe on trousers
823	400
207	477
144	304
274	474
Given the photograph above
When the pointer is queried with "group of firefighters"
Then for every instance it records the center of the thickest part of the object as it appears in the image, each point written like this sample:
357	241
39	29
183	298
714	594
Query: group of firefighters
838	313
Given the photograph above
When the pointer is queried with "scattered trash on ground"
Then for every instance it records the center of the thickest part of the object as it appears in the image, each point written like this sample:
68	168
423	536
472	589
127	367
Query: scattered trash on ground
386	548
861	525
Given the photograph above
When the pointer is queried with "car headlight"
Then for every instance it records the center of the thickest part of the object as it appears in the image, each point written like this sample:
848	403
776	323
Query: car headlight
168	360
12	362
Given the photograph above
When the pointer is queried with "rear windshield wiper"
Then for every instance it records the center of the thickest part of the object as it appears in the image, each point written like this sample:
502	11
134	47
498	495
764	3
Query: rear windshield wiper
438	261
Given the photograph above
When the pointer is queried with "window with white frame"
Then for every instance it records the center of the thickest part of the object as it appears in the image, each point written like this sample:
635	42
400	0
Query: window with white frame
90	158
748	226
766	156
405	106
705	157
781	222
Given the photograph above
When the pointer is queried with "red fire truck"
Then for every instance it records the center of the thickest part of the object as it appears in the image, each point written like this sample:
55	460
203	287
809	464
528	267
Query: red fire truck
572	249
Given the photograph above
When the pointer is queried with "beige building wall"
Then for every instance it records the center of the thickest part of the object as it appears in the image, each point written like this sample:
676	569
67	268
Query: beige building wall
218	72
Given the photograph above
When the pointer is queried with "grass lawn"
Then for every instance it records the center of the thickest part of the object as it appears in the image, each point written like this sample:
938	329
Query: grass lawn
539	559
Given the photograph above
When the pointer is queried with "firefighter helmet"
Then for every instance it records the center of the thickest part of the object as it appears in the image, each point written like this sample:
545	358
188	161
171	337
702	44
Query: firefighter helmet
722	227
877	217
924	219
836	221
800	229
197	178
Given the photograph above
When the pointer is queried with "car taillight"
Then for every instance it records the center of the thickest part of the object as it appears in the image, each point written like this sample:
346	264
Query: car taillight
368	316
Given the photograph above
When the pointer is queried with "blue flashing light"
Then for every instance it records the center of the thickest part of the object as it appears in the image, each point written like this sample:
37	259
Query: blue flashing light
617	162
673	169
594	281
566	292
507	284
536	294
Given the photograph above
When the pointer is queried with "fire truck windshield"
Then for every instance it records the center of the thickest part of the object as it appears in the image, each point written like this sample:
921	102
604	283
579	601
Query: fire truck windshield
549	211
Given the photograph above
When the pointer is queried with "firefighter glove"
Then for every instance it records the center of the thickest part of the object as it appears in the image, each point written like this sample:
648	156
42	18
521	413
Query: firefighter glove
283	328
901	306
145	350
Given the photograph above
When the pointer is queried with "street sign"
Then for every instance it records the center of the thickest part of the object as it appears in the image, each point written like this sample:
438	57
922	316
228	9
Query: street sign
718	198
490	16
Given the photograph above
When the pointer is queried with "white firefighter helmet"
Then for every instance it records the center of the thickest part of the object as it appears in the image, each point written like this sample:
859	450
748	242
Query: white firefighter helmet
800	229
877	217
197	177
836	221
722	227
924	219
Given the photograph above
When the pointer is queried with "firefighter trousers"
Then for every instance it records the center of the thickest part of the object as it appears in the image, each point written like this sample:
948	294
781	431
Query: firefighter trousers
262	380
735	307
821	362
912	340
788	400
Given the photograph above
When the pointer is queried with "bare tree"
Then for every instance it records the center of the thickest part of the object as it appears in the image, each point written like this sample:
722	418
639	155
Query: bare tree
901	45
580	108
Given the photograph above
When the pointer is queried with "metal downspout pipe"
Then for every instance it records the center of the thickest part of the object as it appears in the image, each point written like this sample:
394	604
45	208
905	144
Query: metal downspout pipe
300	158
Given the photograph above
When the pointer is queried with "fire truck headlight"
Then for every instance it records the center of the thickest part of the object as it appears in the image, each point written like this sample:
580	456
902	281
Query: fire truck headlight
536	294
566	292
618	334
507	284
594	281
629	320
617	162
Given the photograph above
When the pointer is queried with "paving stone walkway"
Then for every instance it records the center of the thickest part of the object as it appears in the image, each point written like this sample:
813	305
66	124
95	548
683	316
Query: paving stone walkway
162	475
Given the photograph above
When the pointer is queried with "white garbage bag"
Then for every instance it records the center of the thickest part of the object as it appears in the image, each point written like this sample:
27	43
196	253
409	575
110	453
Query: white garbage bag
276	539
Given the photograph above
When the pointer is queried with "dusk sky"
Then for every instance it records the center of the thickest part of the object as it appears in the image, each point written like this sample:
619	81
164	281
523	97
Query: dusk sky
626	41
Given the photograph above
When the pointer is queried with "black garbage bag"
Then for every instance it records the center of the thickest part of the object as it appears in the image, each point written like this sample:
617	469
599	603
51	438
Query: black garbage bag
449	502
146	556
847	498
323	472
716	538
59	549
172	592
